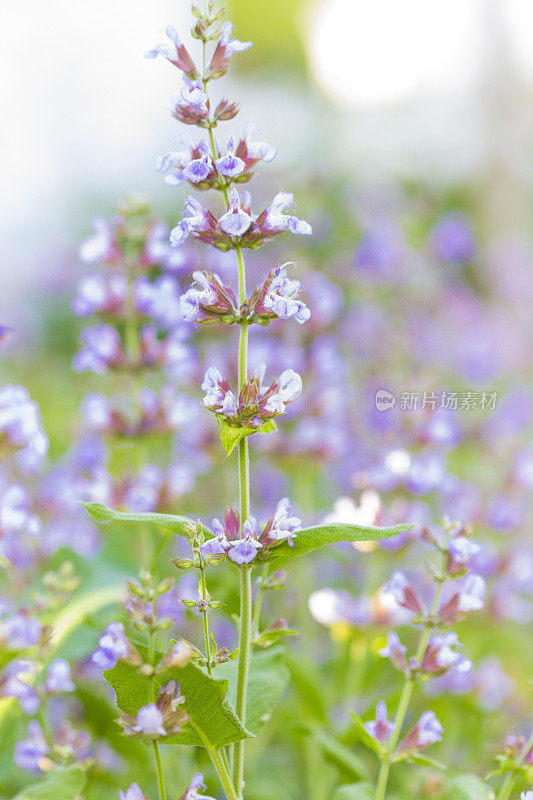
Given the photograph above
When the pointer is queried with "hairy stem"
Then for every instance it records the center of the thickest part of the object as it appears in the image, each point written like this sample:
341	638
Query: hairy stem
160	776
203	592
223	774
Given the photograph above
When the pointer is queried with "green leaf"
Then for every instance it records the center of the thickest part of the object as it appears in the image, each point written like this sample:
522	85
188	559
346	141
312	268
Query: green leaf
364	736
425	761
213	721
231	436
269	678
339	753
181	525
468	787
307	680
60	784
355	791
312	538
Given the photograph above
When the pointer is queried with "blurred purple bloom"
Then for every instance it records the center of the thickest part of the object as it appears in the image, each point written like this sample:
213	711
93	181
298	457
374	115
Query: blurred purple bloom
427	730
30	752
112	646
404	594
381	729
440	655
101	246
460	551
395	650
17	681
20	631
452	239
133	793
191	792
58	677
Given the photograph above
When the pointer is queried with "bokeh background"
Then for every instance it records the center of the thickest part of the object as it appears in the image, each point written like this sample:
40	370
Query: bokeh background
405	129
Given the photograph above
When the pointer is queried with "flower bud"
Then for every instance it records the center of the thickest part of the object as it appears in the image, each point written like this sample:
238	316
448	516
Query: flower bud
189	603
135	589
182	563
165	586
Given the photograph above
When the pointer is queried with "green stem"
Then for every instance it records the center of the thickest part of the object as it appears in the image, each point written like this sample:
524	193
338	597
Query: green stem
160	776
259	602
244	497
222	773
242	671
405	698
508	785
203	592
155	745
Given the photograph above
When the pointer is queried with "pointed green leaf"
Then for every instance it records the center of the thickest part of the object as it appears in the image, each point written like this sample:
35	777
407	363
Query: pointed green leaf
339	753
269	678
425	761
468	787
312	538
181	525
212	718
364	736
230	436
355	791
60	784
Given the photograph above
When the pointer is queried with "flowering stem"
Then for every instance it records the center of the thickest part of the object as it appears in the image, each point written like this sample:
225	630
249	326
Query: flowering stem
405	697
203	592
508	785
244	495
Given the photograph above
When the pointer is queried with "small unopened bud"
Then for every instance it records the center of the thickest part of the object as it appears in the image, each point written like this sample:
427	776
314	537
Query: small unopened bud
139	625
214	604
179	655
183	563
165	586
165	624
135	589
188	603
276	581
214	561
145	576
233	656
147	670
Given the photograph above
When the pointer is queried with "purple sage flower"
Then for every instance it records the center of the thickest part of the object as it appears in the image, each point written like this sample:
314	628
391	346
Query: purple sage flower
381	729
427	730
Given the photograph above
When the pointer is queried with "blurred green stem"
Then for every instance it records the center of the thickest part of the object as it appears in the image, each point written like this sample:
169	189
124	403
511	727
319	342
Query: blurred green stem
405	696
508	784
160	776
155	745
259	602
203	593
